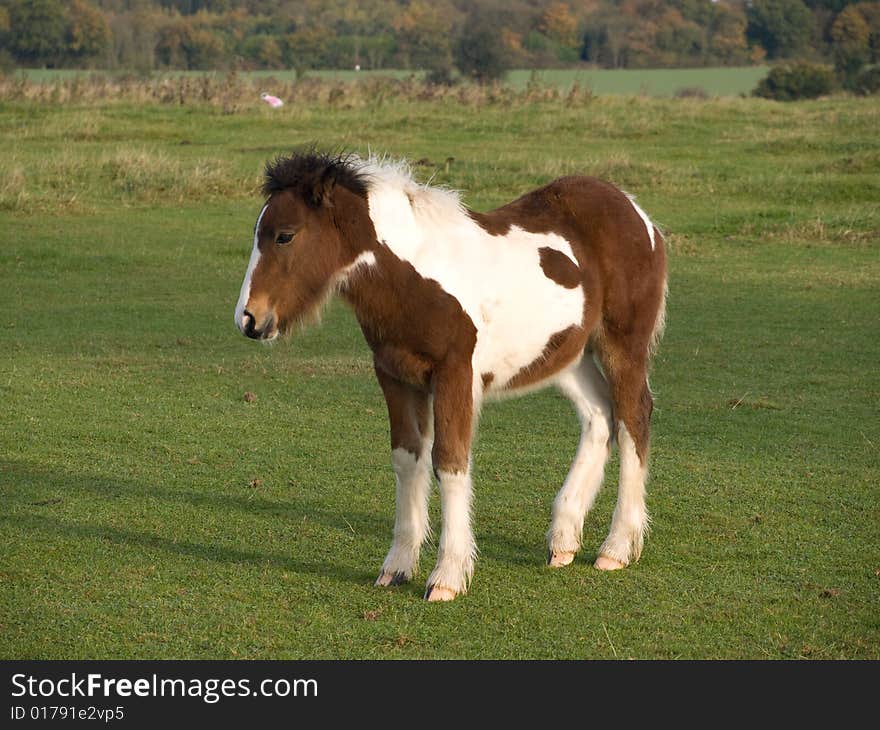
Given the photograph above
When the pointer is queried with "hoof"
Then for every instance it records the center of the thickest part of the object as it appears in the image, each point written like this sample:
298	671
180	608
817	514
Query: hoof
391	579
439	593
603	562
560	558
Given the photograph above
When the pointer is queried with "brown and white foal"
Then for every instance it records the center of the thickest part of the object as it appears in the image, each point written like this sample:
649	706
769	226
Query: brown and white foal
565	285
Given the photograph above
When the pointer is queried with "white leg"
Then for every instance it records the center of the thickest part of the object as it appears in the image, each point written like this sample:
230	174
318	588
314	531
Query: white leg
588	391
411	524
629	524
457	550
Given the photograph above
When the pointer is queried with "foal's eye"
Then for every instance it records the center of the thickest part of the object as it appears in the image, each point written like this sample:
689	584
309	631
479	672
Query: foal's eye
284	238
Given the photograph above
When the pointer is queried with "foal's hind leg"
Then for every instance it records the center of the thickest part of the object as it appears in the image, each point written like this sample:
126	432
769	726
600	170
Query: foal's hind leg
588	391
412	432
626	368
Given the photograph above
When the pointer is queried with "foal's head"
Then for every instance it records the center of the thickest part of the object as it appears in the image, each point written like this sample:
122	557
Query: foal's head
299	250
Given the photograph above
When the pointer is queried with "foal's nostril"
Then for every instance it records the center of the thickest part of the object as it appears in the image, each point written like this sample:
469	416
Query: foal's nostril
248	325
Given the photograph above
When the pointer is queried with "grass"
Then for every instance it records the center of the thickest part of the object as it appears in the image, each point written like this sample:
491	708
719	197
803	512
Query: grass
147	510
724	81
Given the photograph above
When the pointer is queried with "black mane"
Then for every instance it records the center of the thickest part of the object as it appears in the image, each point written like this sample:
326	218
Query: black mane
312	175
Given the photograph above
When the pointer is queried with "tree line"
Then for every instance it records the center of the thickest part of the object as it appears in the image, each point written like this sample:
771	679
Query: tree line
478	38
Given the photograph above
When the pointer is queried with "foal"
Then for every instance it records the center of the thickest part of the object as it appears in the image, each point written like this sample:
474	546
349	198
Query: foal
565	285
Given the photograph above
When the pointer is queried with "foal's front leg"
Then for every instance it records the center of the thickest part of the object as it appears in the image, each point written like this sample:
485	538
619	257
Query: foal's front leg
454	408
412	428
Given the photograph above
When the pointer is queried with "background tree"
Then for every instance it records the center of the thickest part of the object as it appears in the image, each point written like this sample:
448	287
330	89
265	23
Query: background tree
304	49
559	24
37	31
434	34
557	36
782	27
605	36
423	34
206	49
135	37
798	80
870	12
171	45
262	51
88	33
850	35
727	34
7	62
479	52
832	6
365	28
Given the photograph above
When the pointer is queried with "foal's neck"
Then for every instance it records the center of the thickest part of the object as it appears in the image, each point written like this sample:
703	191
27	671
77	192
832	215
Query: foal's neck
389	297
374	292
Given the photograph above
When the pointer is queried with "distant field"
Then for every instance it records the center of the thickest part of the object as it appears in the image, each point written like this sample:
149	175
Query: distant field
148	510
652	82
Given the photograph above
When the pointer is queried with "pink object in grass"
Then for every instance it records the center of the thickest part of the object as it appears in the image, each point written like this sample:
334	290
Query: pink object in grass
272	101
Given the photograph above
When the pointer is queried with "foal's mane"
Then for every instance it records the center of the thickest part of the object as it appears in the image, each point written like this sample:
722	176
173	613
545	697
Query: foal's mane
312	175
308	173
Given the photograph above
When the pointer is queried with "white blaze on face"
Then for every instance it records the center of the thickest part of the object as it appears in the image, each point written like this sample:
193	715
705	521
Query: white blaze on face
245	294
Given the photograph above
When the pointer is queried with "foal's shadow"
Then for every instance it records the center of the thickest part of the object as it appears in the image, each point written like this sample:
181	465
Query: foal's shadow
495	543
213	553
71	484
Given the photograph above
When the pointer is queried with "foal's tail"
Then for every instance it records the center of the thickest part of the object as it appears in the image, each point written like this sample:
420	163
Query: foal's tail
660	324
658	255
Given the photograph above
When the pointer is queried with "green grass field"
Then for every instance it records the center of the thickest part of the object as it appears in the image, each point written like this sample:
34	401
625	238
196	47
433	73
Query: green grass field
645	82
148	511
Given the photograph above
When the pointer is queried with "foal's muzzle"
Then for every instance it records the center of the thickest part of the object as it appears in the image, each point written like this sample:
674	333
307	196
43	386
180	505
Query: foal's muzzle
248	326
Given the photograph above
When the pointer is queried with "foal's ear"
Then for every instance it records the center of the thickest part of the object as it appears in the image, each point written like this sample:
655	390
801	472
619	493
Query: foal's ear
322	191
